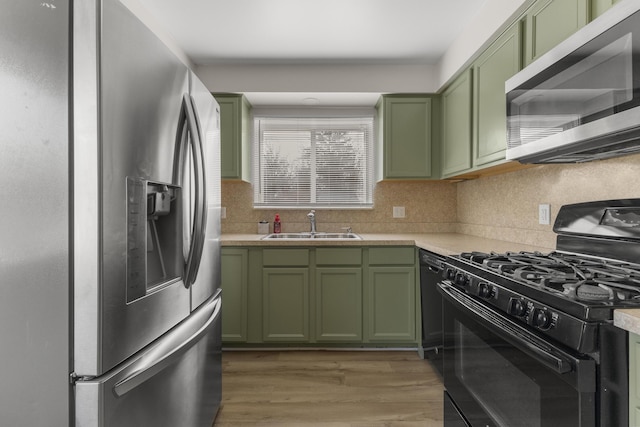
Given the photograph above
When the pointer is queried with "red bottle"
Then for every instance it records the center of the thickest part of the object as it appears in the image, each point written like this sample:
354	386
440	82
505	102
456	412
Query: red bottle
277	228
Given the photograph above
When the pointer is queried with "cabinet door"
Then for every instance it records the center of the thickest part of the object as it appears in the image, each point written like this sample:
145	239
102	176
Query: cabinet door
490	71
407	137
456	129
391	304
634	379
598	7
234	292
338	304
234	137
548	22
285	310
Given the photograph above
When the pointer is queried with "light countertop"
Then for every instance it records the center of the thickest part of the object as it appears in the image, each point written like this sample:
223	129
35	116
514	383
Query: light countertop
441	243
627	319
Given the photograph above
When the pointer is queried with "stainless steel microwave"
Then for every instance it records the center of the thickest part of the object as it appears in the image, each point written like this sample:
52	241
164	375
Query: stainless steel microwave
581	100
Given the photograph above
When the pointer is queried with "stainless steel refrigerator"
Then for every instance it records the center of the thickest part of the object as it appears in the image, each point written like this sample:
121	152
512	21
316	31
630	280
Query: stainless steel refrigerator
110	223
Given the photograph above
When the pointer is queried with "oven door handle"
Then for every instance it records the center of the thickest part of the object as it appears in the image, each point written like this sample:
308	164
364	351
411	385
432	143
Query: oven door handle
509	331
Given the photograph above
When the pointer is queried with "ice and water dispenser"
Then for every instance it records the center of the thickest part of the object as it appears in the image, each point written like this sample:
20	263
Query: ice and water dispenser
154	236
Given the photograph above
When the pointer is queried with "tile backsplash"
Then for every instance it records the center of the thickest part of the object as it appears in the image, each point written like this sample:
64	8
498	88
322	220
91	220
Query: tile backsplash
430	206
503	207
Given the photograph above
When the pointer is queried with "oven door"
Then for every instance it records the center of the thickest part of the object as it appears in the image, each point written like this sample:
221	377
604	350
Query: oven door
498	373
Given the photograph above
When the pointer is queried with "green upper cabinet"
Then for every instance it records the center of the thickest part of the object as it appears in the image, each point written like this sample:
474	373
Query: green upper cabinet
490	71
598	7
407	151
548	22
456	126
541	27
235	136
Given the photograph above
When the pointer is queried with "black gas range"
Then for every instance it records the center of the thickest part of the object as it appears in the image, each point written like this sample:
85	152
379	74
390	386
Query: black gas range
561	295
548	315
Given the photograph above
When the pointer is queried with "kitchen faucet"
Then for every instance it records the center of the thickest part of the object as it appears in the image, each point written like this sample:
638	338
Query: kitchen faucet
312	218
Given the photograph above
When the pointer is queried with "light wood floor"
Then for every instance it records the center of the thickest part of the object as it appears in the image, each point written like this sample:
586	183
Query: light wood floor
329	389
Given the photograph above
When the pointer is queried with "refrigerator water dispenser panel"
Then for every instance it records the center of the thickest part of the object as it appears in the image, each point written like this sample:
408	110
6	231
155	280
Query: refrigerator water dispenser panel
154	236
159	202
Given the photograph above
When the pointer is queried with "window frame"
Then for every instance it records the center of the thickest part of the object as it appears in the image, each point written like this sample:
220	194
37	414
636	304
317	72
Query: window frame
319	115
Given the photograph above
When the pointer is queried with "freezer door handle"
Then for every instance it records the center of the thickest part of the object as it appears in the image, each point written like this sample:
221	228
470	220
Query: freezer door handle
171	347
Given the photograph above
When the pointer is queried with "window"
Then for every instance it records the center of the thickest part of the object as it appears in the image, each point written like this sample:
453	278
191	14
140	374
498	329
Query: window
313	162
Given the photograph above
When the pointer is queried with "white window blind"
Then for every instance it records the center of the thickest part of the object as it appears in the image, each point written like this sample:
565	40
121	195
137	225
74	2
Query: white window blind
313	162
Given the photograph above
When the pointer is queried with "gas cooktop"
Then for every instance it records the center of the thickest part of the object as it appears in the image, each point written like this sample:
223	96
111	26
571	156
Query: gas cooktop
571	276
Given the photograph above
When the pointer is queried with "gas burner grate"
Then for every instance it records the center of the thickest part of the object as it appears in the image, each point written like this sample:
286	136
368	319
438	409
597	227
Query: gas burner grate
570	275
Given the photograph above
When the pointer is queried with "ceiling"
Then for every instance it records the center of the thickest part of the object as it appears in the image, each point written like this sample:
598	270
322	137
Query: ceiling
313	31
337	31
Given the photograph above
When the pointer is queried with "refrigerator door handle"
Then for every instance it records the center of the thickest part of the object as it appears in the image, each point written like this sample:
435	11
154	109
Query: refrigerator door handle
201	203
170	348
189	142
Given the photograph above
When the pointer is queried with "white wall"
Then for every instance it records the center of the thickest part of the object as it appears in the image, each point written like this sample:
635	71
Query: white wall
365	78
149	20
491	19
377	78
318	78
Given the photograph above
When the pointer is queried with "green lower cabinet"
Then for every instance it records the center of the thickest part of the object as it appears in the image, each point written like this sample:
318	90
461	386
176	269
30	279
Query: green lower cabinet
356	296
285	309
391	302
234	281
338	304
634	380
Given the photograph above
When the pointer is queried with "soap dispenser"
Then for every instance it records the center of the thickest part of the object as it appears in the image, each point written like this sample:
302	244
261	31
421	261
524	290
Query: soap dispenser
277	227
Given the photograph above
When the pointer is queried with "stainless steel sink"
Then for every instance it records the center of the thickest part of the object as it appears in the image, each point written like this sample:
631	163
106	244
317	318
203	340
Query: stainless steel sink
288	236
311	236
337	236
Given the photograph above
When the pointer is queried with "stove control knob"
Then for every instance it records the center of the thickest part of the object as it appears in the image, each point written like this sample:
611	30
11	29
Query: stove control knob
517	307
485	290
541	318
450	274
462	279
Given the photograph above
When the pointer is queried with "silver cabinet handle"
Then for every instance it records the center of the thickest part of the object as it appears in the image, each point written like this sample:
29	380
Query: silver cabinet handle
170	348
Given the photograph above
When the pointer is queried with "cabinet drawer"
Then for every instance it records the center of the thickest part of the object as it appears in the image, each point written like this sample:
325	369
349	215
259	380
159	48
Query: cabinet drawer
285	257
392	256
338	256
